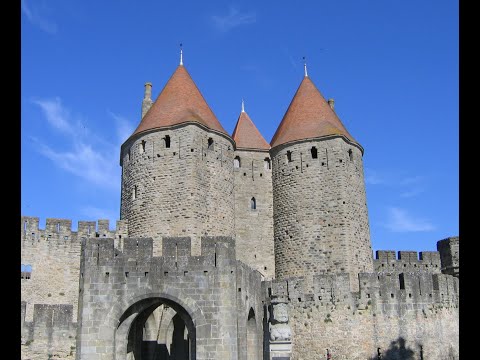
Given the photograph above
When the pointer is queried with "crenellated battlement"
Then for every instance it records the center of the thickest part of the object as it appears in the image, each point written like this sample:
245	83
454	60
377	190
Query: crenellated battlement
407	287
61	229
136	258
323	288
386	261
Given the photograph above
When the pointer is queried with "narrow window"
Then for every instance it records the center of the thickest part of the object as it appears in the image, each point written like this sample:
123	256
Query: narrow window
129	154
142	146
253	204
134	192
289	156
313	150
58	227
401	278
266	164
25	225
28	271
167	141
236	162
210	144
350	154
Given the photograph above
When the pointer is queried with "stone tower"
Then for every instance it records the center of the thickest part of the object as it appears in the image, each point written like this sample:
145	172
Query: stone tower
253	197
319	202
177	174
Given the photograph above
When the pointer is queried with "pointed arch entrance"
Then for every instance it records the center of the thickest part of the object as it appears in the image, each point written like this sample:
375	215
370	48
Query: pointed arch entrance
155	329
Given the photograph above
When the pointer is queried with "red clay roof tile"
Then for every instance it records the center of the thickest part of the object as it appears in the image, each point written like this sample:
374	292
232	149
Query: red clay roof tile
308	116
246	134
180	101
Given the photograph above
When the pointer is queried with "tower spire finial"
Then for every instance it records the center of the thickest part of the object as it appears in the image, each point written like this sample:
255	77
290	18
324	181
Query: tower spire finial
305	66
181	54
243	106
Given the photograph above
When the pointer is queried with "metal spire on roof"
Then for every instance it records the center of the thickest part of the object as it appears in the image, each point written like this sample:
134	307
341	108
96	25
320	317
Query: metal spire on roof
305	66
243	106
181	54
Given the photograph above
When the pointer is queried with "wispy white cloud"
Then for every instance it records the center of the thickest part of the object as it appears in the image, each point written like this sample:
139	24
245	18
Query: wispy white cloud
33	15
88	156
233	19
415	186
373	178
399	220
84	162
411	180
412	193
123	126
56	114
406	186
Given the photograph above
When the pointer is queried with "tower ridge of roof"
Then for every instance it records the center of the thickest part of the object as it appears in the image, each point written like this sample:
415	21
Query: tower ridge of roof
246	134
308	116
180	101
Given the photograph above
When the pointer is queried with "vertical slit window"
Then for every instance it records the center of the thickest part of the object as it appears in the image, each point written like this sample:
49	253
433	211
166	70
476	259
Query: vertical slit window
267	164
236	162
288	156
166	140
314	152
253	204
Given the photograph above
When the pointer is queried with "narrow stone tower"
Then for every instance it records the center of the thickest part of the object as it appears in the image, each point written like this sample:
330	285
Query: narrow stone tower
177	173
319	202
253	197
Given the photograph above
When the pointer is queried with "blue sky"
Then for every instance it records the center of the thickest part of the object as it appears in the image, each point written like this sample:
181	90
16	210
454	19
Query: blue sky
391	66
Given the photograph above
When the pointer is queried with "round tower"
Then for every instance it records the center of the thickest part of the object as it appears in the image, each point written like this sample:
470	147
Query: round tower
177	173
319	201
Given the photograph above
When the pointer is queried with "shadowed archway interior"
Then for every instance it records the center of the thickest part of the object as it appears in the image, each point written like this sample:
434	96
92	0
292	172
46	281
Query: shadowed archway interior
155	329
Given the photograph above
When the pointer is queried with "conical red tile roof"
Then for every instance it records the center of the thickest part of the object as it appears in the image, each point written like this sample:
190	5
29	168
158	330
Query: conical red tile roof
308	116
246	134
180	101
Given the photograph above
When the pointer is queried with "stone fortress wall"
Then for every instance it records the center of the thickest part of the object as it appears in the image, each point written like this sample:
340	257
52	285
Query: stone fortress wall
189	177
254	227
320	212
49	291
450	255
407	314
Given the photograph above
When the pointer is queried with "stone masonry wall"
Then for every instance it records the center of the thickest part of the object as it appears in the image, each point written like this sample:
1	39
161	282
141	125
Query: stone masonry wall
320	212
408	261
184	189
49	294
213	288
54	255
450	255
51	333
399	316
254	227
